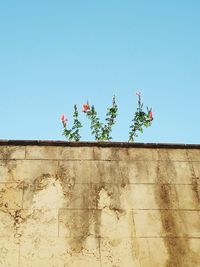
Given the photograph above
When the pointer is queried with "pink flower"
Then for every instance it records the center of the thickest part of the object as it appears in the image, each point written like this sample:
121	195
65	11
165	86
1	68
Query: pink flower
62	117
138	93
64	120
151	115
86	107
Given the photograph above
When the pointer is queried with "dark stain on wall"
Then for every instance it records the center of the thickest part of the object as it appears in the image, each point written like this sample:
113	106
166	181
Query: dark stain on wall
194	181
177	247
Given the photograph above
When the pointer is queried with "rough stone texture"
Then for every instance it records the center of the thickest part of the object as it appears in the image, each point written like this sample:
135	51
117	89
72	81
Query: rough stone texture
99	206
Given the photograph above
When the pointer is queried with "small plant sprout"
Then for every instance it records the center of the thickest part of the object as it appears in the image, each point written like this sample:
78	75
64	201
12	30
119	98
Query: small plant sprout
141	119
73	133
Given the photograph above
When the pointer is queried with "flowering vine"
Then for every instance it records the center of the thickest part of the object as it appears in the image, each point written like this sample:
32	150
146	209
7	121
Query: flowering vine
102	132
99	130
73	133
141	119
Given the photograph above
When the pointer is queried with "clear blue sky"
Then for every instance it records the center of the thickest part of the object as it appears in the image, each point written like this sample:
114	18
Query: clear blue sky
57	53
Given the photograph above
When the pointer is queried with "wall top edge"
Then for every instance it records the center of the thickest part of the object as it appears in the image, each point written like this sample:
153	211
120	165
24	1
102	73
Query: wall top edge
4	142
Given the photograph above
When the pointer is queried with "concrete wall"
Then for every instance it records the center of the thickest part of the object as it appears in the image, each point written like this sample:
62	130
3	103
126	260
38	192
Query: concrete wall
98	206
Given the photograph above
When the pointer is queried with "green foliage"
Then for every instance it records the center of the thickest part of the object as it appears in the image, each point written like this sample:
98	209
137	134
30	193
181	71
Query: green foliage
102	131
73	133
140	120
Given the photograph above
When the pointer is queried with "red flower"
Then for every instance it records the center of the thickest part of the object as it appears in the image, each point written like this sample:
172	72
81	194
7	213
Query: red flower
64	120
151	115
86	107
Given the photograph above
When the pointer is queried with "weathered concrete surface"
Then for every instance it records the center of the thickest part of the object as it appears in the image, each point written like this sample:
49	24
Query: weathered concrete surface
99	206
